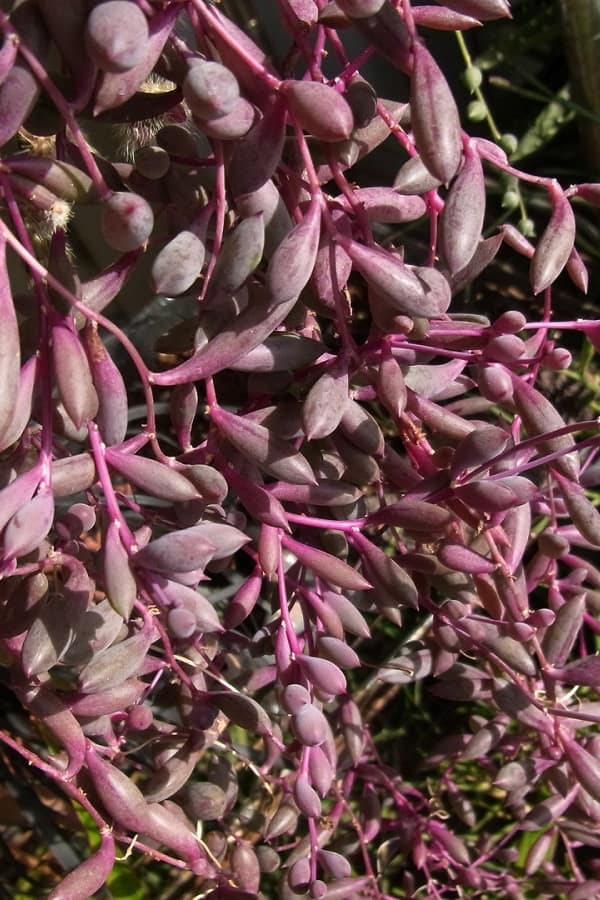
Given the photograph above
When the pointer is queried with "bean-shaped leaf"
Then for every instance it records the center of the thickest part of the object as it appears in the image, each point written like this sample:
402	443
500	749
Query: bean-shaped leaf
261	446
98	629
539	416
119	580
360	427
392	584
325	675
351	618
51	633
485	252
443	19
107	702
73	375
90	875
319	109
293	262
112	416
464	559
391	386
178	264
325	402
243	711
562	634
585	767
20	88
73	474
584	514
239	256
156	478
338	651
478	447
326	566
257	154
513	700
62	179
415	178
116	664
193	601
391	278
50	710
244	600
226	538
113	89
281	352
178	551
120	797
325	493
462	219
554	246
414	515
99	291
309	725
21	412
435	119
481	9
16	494
29	526
307	801
260	503
383	204
497	496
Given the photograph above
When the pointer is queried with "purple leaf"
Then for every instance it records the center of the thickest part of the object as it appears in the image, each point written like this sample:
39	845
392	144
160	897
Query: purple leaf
435	118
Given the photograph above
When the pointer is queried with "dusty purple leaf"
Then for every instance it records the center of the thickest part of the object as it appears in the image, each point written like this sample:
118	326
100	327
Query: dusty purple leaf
116	664
323	674
307	799
562	634
462	219
73	375
391	582
90	875
443	19
325	402
309	725
279	353
177	551
153	477
256	156
481	9
585	767
261	446
319	109
326	566
242	711
554	246
29	526
325	493
435	119
178	264
61	723
113	89
338	651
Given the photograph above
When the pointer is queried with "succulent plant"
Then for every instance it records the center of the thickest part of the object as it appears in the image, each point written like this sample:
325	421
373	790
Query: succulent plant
410	469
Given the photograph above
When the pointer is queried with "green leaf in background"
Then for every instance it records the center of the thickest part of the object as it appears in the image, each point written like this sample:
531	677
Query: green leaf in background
124	884
552	119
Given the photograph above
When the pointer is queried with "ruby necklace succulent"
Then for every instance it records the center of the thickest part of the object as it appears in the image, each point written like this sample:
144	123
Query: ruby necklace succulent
203	552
